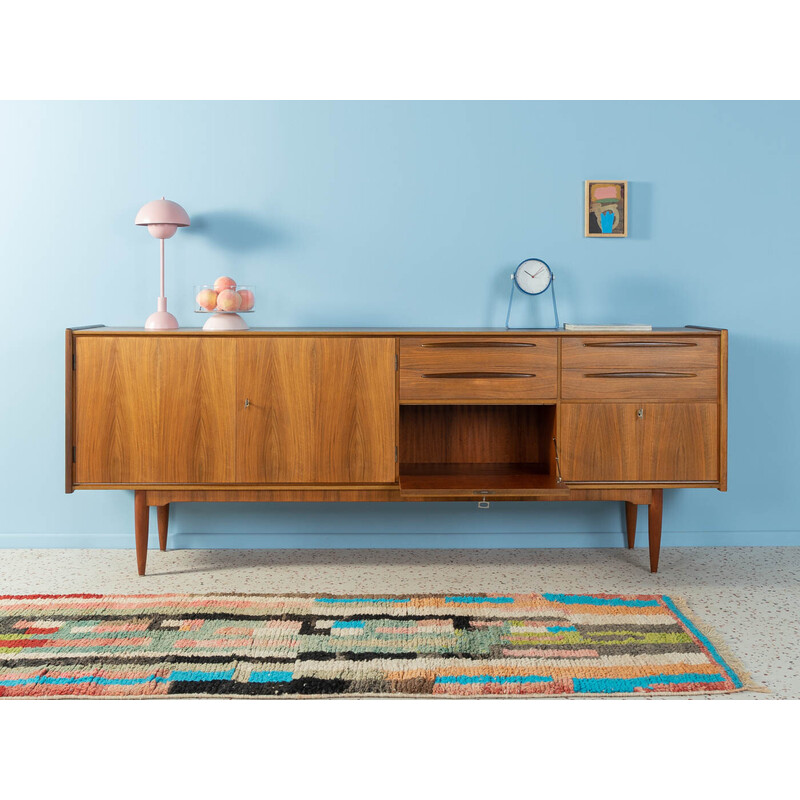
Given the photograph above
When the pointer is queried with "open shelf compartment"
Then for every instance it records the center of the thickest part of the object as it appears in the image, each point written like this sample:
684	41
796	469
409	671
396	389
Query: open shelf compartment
478	451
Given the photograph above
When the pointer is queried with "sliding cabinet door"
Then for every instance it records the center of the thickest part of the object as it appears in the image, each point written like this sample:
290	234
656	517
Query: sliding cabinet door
315	410
154	409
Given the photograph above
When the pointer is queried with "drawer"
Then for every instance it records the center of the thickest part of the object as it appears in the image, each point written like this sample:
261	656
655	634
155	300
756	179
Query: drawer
640	368
513	369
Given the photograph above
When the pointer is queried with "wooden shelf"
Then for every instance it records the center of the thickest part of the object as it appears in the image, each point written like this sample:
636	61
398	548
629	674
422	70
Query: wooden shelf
474	481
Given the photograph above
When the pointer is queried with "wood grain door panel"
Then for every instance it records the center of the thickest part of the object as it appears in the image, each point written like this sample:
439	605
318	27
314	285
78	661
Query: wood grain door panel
680	440
316	410
154	410
655	442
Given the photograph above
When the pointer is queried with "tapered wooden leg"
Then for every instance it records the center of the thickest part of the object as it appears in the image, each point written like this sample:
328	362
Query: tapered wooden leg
654	512
142	515
163	523
631	511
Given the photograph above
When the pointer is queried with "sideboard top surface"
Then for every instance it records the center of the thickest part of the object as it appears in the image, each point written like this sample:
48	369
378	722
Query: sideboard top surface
95	330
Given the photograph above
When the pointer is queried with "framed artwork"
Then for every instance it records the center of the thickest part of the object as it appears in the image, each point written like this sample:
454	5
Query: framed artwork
606	209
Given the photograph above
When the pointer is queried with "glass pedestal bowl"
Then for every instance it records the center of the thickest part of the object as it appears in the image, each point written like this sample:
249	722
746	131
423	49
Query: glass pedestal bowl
224	307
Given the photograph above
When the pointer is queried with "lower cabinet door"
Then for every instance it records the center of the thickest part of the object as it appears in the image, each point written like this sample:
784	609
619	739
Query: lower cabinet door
316	410
655	442
154	409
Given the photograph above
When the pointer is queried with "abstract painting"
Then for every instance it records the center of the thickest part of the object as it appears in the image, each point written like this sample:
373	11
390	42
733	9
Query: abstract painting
606	208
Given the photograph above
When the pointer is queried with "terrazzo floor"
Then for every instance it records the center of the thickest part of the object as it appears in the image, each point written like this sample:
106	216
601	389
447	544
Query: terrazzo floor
748	595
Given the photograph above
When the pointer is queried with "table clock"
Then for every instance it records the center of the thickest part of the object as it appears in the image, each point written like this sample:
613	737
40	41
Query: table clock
532	277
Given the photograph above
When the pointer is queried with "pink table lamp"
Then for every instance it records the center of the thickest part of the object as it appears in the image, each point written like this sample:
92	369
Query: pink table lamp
163	218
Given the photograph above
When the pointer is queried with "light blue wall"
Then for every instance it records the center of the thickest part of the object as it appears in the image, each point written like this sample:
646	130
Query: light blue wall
402	214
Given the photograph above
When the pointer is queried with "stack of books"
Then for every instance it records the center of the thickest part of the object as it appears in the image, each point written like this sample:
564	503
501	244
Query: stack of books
621	328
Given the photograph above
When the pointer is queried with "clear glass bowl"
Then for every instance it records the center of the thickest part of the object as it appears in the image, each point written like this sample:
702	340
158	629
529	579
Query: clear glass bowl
206	300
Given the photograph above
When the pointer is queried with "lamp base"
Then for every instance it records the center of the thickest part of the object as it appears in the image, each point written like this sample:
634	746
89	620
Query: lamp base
161	321
225	322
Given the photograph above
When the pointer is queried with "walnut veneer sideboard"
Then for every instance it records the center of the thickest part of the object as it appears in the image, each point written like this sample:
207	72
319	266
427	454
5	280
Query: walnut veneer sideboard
395	415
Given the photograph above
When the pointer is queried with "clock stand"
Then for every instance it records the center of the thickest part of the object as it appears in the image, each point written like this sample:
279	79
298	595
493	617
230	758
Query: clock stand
532	278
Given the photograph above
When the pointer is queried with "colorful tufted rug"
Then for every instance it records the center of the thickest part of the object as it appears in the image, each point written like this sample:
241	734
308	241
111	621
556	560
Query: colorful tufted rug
228	645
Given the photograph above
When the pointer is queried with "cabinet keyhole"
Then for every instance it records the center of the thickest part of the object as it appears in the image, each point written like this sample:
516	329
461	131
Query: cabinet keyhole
640	413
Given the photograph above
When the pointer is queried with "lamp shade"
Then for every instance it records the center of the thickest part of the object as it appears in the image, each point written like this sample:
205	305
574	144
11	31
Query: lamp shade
162	212
162	217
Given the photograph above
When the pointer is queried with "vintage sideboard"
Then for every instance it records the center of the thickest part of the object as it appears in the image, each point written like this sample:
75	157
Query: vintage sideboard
395	415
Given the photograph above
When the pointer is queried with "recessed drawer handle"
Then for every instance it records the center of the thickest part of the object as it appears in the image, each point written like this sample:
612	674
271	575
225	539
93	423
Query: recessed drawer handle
472	375
477	344
640	375
640	344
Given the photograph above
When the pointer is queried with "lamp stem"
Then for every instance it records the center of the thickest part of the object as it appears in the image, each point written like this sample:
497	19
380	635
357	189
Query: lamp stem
162	267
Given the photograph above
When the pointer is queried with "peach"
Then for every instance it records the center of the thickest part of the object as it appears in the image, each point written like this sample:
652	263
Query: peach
228	300
220	284
248	299
207	299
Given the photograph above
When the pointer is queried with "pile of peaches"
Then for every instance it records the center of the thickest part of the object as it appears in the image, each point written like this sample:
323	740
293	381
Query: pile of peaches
225	296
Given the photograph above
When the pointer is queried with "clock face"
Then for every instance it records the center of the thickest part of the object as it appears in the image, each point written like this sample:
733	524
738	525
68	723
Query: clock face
533	276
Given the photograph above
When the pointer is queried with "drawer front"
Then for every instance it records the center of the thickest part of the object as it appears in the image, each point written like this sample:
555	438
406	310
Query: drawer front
640	368
514	369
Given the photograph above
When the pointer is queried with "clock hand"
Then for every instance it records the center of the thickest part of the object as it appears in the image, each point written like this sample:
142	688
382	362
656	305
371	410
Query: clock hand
534	274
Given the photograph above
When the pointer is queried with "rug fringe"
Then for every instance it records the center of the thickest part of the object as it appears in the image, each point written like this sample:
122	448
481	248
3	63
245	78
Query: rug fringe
732	660
390	696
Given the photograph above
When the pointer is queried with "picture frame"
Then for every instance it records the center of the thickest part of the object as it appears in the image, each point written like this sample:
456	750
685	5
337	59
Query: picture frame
605	209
